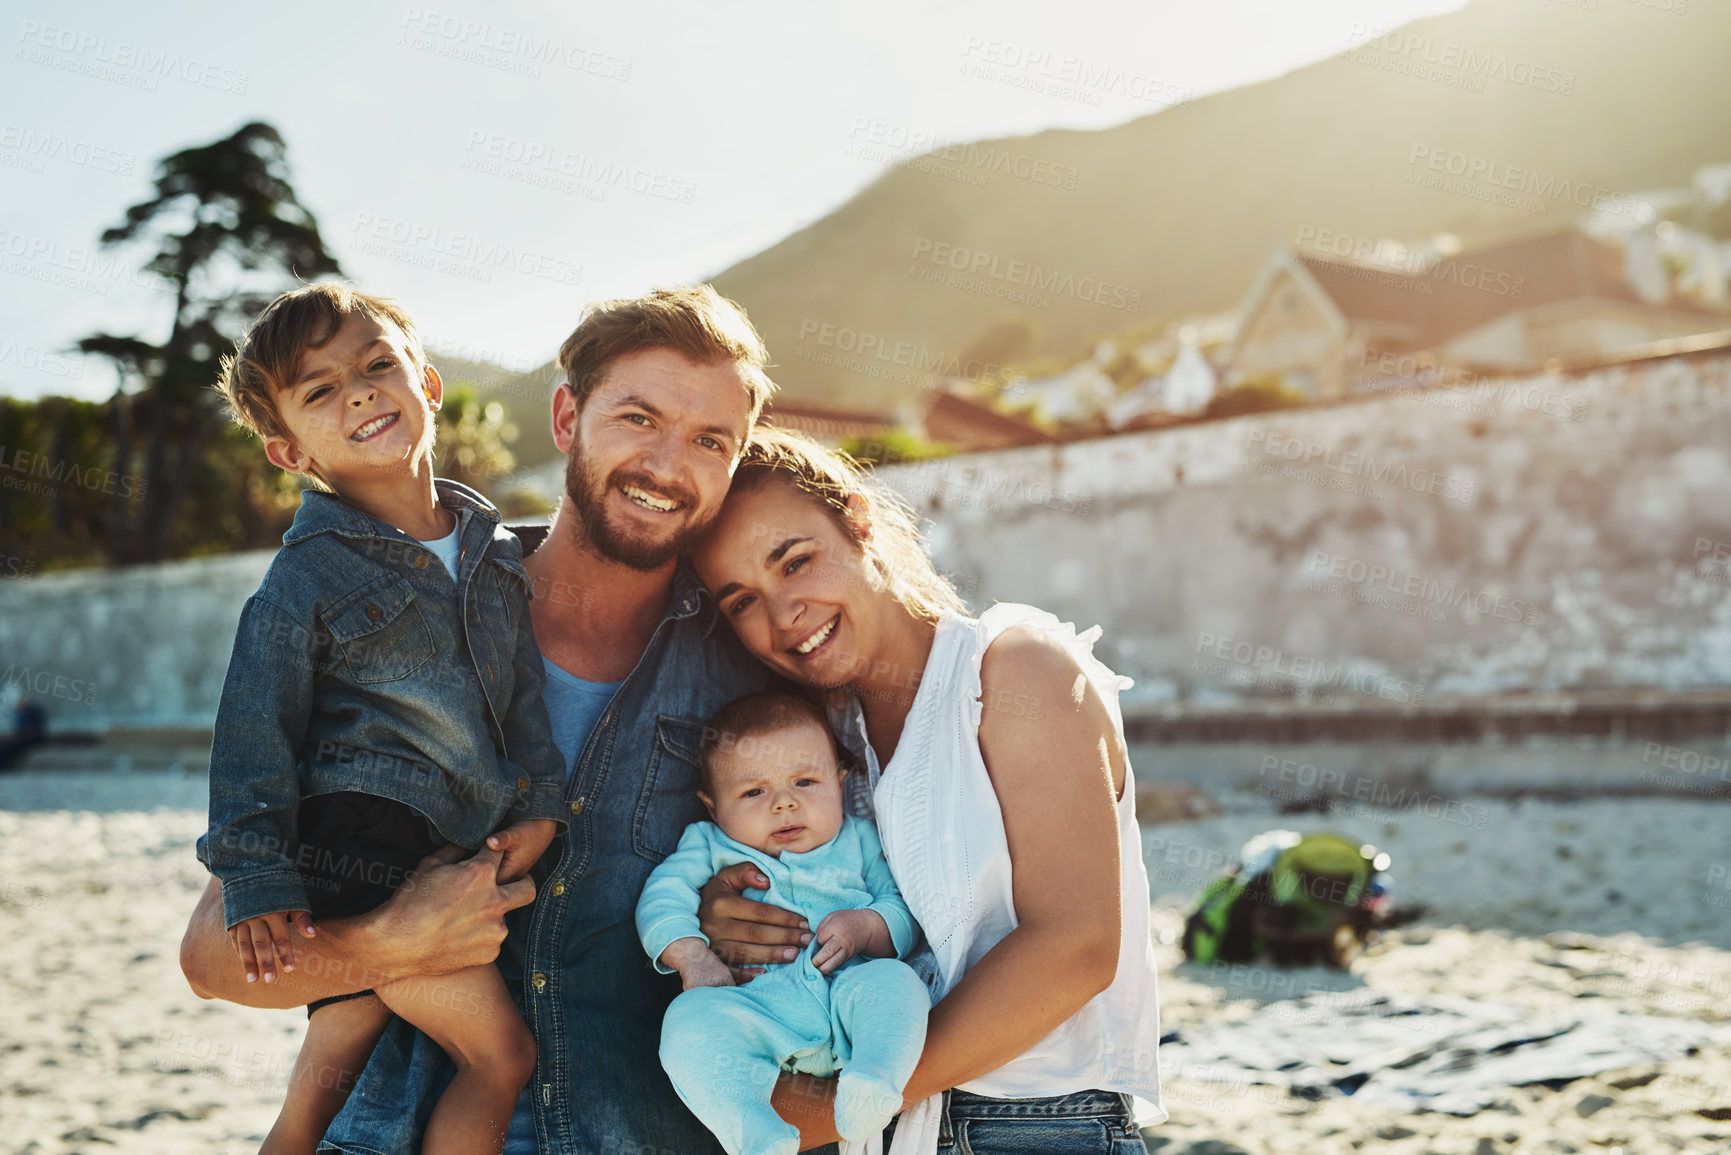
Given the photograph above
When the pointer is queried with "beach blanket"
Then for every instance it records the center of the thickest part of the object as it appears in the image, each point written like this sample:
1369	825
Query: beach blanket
1447	1055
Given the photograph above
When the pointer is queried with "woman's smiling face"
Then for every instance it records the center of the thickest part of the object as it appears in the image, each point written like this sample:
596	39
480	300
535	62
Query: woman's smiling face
794	585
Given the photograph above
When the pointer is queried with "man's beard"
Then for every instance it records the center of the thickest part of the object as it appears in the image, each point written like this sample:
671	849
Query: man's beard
588	493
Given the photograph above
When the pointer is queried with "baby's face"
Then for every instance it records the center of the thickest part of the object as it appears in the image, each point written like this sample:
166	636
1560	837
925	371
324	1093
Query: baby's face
779	790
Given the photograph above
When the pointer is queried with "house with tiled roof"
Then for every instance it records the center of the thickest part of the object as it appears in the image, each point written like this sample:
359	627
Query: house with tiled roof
1317	322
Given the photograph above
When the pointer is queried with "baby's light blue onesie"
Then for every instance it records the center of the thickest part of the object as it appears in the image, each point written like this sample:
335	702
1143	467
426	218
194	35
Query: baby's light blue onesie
723	1046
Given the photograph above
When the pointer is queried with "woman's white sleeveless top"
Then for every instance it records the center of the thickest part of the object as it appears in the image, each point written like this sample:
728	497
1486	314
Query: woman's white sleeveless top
943	836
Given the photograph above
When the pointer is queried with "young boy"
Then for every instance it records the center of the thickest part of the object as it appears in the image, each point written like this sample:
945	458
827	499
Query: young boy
772	783
384	698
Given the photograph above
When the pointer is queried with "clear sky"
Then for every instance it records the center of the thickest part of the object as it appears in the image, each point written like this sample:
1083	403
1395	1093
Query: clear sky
496	166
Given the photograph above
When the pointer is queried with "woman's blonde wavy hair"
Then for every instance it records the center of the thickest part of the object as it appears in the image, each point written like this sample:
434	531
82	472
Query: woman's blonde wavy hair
900	561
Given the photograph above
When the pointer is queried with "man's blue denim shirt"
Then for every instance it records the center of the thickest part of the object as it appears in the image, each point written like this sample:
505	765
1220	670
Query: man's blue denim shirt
573	959
353	669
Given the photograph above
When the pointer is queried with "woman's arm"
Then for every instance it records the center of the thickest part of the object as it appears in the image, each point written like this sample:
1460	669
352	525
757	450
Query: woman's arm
1057	766
444	918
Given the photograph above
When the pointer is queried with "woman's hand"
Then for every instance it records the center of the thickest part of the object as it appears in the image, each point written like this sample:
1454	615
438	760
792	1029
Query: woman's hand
746	933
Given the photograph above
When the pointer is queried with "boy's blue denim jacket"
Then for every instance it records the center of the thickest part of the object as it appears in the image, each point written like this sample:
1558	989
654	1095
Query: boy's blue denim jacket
354	670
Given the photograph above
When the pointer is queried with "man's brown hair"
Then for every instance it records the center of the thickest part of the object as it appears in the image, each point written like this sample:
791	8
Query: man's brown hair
693	320
265	361
754	715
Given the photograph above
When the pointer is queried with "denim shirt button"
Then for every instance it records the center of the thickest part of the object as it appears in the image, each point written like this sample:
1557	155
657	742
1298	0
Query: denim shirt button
421	561
522	783
577	806
375	613
557	888
539	981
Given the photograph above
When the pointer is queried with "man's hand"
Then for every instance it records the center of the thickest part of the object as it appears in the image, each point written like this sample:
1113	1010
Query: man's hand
696	964
846	933
449	915
744	932
265	942
522	844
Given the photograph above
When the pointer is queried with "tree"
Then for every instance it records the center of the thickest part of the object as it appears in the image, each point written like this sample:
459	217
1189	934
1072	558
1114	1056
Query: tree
230	235
472	439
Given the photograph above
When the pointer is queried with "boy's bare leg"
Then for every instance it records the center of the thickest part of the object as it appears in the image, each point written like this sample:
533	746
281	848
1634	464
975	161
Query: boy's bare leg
340	1038
469	1013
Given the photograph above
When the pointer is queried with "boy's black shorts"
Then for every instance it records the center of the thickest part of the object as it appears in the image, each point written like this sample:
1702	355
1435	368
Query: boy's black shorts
356	851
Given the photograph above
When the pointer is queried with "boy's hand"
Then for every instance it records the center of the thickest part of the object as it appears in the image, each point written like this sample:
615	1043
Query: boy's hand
522	844
697	965
846	933
265	941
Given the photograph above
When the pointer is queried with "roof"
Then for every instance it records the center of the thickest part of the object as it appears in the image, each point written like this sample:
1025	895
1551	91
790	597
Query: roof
1462	292
972	425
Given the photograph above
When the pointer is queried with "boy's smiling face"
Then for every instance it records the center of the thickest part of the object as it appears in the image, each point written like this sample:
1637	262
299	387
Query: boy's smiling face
778	790
359	409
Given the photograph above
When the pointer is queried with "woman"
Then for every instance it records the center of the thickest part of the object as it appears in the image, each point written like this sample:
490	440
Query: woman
995	759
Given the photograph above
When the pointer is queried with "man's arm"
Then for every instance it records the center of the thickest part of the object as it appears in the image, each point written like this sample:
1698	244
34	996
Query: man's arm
445	917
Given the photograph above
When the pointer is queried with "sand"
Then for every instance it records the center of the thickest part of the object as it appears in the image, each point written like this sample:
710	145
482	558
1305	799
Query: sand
1614	903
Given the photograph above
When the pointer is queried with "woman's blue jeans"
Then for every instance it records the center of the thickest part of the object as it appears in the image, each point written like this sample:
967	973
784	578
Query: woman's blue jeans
1084	1123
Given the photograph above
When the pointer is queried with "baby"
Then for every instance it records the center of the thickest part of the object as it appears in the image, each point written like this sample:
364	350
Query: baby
772	783
383	699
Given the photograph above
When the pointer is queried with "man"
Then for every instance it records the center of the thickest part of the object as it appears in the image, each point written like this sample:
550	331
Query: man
661	394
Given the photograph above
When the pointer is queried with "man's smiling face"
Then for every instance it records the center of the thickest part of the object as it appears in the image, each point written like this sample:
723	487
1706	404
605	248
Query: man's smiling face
652	452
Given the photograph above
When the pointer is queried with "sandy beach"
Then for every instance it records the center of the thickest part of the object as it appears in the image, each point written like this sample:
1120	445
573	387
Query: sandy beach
1617	904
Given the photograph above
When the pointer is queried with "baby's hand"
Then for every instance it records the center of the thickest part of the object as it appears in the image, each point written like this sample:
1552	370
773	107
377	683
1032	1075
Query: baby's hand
265	941
523	844
697	965
844	934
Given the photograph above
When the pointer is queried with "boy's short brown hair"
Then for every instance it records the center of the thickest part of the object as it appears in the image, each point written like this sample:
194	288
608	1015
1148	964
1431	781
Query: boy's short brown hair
753	715
265	361
692	320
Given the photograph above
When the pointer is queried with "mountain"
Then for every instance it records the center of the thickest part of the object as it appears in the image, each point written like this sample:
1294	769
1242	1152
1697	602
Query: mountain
1504	117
